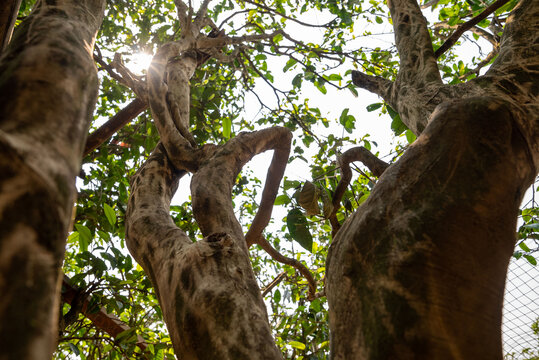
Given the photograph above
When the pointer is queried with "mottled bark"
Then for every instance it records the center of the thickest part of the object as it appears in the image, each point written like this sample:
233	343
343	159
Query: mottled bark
48	89
418	272
210	300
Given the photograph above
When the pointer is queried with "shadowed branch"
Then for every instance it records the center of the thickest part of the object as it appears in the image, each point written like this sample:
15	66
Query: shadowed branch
374	164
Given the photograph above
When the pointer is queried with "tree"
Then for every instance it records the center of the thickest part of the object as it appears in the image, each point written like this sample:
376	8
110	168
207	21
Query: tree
427	249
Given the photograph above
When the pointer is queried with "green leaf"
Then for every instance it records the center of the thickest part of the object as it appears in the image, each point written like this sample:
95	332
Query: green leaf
530	259
227	127
127	336
374	106
289	64
321	87
379	20
397	125
532	226
282	200
299	229
291	184
297	345
110	214
523	246
277	296
410	136
298	79
85	236
277	38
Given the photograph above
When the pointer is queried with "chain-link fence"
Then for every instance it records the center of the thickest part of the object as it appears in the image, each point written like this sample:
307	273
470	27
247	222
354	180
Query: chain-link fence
521	311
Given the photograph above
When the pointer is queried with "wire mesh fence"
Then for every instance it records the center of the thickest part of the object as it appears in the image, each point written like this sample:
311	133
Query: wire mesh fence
521	311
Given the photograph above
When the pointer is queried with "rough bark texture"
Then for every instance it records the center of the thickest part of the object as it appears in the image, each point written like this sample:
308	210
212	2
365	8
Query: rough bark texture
418	272
48	88
210	300
211	303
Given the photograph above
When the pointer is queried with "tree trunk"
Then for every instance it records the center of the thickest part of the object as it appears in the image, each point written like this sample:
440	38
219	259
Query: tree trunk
418	272
48	89
211	303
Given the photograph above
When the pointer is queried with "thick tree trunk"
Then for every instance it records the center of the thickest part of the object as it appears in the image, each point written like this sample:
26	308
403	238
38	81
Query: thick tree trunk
419	271
211	303
48	89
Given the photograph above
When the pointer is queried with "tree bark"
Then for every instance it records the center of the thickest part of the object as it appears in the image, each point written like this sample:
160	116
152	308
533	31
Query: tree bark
418	272
211	303
48	89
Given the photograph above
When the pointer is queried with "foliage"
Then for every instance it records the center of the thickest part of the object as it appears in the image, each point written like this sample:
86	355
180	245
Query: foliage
281	76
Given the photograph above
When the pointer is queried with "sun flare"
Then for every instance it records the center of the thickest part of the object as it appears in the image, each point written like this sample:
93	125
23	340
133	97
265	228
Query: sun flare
139	62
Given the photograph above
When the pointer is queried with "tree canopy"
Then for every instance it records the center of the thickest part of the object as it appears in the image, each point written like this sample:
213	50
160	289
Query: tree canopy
273	58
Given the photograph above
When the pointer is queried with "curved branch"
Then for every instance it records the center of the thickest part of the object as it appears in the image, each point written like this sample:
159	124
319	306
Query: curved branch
207	42
211	185
467	26
374	164
277	256
196	282
147	219
271	188
375	84
179	149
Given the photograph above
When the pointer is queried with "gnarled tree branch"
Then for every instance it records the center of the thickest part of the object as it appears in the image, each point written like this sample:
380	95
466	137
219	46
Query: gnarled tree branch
374	164
281	147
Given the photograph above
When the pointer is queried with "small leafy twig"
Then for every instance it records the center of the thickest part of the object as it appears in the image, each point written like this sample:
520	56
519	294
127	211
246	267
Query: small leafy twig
277	256
468	25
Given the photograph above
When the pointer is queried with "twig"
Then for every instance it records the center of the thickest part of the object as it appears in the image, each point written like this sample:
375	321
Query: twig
115	123
259	5
475	29
266	289
468	25
277	256
482	64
